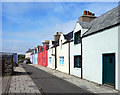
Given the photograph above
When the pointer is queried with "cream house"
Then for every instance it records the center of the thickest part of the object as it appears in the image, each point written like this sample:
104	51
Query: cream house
52	51
63	53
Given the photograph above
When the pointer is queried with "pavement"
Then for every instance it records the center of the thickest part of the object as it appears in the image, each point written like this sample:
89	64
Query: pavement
30	79
21	83
85	85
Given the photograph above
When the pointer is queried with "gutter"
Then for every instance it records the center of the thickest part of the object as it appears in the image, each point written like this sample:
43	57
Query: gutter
98	31
55	58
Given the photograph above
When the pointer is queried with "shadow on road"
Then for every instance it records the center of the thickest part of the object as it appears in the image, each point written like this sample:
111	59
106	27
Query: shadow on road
50	84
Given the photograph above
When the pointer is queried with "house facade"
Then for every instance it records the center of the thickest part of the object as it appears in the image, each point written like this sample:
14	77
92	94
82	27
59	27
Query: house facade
63	53
81	27
28	53
31	58
35	56
52	51
101	52
42	55
51	55
91	51
75	52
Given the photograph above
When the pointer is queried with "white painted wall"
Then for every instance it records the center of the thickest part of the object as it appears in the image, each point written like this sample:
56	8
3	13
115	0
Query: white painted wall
64	52
75	49
27	55
50	52
118	86
93	48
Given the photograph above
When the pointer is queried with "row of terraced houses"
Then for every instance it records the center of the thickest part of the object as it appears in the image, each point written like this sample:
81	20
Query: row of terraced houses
91	51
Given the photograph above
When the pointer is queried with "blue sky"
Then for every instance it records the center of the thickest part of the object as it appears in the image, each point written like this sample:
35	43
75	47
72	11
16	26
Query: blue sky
27	24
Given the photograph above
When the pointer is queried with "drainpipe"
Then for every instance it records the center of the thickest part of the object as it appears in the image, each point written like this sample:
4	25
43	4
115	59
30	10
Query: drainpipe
55	58
81	61
69	57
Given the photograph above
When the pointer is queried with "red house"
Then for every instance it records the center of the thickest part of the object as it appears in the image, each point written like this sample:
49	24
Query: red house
42	55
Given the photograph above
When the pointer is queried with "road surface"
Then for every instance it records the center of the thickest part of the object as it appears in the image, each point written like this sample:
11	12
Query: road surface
48	83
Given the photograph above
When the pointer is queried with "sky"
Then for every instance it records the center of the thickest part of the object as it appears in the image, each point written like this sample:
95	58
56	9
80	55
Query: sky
27	24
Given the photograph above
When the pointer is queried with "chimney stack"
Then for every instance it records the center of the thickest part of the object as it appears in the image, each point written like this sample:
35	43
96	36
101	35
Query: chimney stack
87	16
57	36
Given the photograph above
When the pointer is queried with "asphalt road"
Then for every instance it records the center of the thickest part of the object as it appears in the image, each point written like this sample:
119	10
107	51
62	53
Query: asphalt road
48	83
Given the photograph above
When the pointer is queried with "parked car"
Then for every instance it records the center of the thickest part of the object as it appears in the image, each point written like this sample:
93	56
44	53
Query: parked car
28	61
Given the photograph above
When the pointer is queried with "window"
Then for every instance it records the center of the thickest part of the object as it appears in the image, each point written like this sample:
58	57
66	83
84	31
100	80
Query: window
61	60
61	44
50	60
77	38
77	61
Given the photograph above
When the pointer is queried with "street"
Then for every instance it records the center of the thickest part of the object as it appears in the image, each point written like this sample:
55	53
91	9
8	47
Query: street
48	83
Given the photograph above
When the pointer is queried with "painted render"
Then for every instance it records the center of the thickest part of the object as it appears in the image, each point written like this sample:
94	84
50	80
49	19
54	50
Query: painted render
93	48
63	53
118	57
31	58
75	49
42	55
51	56
27	55
36	58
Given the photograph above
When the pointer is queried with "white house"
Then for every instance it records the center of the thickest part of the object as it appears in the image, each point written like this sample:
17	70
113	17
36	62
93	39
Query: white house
101	50
51	55
75	48
28	53
52	51
75	45
63	53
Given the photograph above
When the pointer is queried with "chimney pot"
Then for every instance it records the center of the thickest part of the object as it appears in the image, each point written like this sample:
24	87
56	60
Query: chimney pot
93	14
87	12
90	13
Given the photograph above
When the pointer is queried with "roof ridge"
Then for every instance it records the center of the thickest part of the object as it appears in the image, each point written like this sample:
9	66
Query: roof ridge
104	13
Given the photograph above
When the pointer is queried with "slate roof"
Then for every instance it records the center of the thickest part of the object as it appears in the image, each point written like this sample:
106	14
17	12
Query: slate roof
55	43
68	36
106	20
85	25
30	50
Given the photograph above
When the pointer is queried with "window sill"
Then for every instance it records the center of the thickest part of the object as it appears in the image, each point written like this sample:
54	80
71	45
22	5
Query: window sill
77	67
61	64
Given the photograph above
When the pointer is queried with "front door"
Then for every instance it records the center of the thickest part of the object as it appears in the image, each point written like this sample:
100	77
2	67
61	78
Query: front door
109	69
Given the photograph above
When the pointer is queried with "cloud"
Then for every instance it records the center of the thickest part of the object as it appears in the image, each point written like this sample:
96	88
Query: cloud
26	25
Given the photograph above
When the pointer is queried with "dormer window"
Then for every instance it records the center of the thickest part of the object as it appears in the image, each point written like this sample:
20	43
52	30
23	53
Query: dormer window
77	37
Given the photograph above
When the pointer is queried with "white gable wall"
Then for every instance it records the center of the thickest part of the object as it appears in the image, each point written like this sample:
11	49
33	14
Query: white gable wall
93	48
75	49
